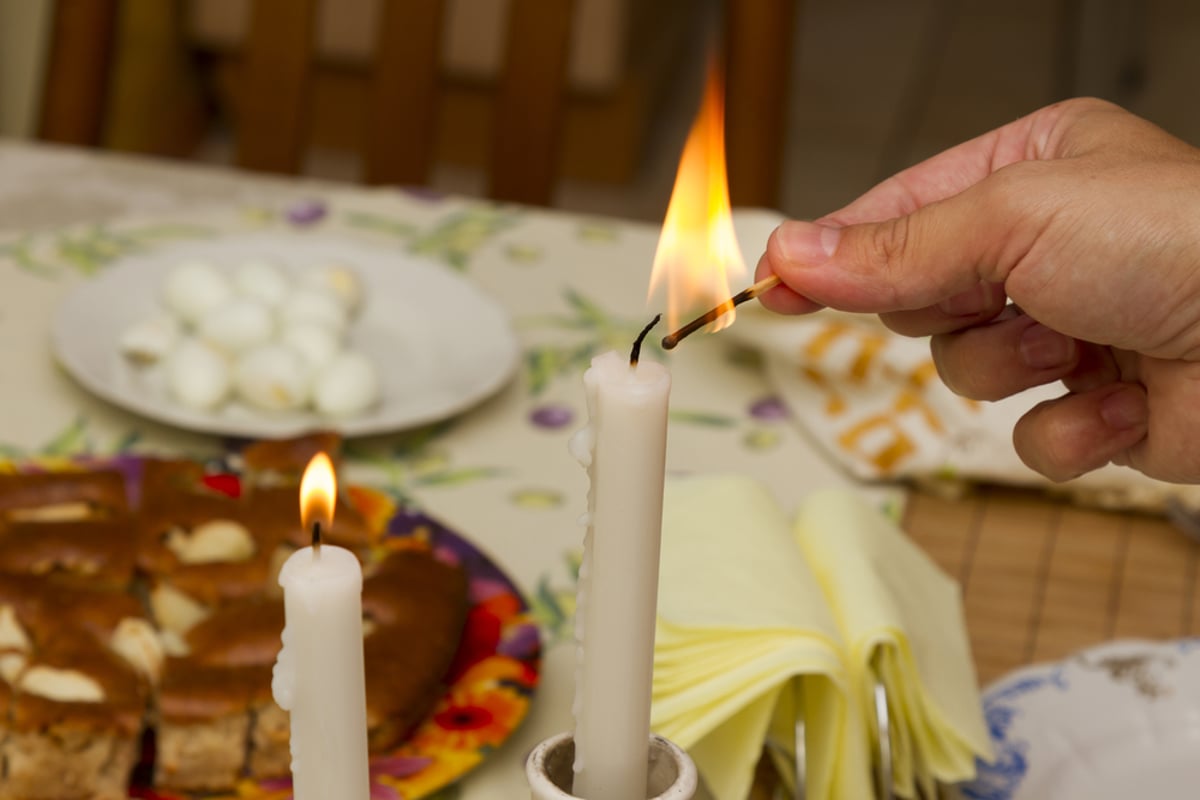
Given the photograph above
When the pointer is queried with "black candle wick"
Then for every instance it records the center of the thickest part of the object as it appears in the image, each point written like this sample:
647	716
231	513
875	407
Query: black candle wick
316	534
637	344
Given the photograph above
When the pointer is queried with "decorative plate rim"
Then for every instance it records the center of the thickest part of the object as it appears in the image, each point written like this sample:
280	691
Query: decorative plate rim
1126	664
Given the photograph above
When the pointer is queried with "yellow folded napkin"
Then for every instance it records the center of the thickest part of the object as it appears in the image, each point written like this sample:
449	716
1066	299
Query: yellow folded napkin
752	608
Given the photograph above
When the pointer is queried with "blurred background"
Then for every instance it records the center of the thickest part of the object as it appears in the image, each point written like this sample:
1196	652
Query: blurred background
827	96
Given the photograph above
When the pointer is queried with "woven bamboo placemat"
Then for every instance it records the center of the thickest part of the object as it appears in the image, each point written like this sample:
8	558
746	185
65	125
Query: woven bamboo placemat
1043	578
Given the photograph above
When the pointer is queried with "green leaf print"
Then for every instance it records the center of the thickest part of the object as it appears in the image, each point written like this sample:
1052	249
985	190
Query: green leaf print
75	439
72	440
23	255
380	224
599	329
703	418
598	232
167	232
127	442
457	237
412	460
546	608
574	559
544	364
523	253
88	250
554	609
456	477
586	311
536	499
554	606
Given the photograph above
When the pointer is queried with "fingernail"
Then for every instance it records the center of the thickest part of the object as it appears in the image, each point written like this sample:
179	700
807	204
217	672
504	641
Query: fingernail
964	304
1043	348
1125	408
806	243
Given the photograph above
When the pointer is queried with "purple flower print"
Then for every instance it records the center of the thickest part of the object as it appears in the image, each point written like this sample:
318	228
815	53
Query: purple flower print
769	409
551	416
306	212
393	766
522	642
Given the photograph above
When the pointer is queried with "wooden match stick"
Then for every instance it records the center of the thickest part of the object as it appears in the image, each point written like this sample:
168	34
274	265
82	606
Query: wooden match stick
766	284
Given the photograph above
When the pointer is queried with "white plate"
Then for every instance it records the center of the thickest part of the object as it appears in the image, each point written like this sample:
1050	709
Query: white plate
441	345
1116	721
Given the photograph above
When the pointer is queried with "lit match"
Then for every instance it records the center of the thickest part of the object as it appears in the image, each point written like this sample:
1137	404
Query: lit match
766	284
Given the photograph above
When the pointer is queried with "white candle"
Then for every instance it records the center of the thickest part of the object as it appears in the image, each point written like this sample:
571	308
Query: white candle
319	675
624	450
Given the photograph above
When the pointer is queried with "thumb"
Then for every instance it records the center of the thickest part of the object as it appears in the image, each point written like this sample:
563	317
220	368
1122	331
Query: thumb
909	262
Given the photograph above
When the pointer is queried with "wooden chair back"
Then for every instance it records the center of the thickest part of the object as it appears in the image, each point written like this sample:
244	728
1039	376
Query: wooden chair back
277	77
401	121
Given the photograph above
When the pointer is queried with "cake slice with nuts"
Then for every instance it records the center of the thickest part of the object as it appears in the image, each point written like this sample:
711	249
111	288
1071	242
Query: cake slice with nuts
77	667
204	724
212	696
97	551
74	725
56	496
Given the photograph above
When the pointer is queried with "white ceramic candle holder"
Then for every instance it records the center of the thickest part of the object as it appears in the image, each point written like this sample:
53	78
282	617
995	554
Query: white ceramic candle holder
550	770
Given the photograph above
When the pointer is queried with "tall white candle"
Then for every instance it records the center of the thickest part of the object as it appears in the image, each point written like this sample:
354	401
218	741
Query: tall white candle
319	675
624	450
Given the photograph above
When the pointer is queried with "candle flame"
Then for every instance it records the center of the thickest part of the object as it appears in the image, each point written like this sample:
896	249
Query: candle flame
318	492
698	252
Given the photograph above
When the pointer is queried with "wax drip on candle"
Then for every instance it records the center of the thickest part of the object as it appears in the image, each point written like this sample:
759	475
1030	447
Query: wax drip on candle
636	352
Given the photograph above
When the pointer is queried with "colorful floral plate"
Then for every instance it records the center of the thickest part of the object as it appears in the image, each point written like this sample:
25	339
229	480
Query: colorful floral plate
440	343
1116	721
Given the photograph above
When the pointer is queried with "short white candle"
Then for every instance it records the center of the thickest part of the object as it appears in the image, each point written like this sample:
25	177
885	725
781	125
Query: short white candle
624	450
319	675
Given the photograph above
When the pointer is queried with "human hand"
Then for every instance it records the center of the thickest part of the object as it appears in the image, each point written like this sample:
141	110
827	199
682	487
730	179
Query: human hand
1088	219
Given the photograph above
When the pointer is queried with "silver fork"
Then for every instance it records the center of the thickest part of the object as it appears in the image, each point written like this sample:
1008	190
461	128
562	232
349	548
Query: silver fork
883	735
796	754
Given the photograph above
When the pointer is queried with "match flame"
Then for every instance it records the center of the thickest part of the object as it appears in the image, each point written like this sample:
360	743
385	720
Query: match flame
318	492
698	253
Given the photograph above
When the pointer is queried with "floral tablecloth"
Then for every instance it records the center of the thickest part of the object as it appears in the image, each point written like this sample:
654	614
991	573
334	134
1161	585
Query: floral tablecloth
499	474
